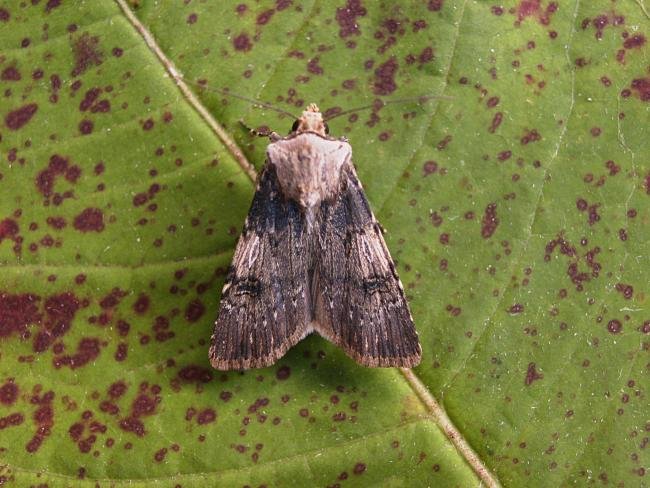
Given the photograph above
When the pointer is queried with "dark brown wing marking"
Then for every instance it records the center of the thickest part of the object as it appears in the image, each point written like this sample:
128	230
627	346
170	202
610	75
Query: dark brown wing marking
265	306
358	299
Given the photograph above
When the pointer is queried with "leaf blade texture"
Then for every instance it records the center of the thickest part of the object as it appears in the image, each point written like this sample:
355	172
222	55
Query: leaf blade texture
517	213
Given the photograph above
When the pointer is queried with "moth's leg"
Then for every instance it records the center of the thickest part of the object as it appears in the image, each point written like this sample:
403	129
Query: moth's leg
259	132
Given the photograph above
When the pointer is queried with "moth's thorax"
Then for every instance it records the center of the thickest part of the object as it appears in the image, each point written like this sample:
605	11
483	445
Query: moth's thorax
309	166
311	120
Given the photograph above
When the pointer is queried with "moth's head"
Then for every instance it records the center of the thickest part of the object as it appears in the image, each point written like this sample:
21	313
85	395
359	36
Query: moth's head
311	120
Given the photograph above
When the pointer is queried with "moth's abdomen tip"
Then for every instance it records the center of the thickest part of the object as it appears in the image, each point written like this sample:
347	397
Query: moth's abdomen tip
312	107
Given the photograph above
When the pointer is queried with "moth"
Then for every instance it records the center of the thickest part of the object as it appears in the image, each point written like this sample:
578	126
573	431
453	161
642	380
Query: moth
312	257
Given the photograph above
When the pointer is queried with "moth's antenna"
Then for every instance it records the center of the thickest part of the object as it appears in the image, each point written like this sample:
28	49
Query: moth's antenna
240	97
378	103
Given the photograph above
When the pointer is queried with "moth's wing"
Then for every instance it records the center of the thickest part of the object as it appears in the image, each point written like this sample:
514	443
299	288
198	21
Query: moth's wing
359	301
265	305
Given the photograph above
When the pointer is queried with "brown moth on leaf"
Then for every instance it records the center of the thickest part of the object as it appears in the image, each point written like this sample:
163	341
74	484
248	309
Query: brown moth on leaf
312	257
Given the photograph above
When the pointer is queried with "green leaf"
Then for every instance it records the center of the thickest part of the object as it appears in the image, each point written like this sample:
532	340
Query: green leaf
516	208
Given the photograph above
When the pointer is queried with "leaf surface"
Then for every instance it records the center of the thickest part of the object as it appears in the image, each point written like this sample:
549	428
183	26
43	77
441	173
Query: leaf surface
516	208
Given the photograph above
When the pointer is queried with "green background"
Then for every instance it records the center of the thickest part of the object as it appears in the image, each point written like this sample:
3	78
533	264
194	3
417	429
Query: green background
516	207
